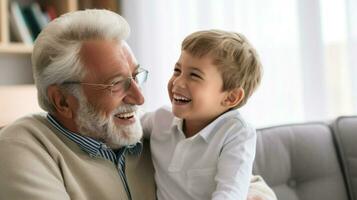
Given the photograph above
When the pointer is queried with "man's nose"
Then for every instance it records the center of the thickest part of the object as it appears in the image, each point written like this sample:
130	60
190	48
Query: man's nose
134	95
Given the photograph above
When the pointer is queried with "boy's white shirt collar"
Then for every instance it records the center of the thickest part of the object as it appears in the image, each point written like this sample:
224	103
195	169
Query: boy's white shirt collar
206	132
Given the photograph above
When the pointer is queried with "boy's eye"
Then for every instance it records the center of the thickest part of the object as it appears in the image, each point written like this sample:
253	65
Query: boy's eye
194	75
177	71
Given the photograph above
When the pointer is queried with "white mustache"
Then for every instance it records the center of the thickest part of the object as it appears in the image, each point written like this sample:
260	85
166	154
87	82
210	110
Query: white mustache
126	108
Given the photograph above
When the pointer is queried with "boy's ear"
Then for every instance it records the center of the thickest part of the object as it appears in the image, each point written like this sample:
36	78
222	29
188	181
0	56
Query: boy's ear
59	100
234	97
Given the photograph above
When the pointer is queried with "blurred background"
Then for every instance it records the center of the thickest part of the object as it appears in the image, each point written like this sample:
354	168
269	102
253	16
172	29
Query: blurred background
307	47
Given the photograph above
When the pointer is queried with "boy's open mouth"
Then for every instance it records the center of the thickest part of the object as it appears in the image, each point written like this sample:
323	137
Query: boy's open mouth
181	99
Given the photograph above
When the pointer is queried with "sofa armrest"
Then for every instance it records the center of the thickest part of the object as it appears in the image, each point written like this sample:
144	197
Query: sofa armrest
300	162
345	130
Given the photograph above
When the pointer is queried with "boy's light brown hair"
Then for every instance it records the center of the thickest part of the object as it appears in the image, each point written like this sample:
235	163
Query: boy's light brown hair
235	57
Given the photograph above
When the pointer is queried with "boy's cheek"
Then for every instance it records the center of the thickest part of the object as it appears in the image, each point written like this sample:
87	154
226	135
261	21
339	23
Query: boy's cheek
169	87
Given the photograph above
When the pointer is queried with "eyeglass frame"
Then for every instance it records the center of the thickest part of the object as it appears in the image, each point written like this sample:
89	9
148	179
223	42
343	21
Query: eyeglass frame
124	81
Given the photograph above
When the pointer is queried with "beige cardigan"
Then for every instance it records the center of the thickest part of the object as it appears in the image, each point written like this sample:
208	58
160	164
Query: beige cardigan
38	162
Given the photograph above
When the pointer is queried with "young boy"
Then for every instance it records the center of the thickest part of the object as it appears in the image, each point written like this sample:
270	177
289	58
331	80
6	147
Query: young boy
203	148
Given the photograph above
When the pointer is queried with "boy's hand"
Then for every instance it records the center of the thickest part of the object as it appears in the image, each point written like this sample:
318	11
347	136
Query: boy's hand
254	197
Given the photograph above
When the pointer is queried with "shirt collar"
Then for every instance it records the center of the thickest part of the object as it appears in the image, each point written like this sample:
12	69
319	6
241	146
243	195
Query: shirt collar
90	145
207	132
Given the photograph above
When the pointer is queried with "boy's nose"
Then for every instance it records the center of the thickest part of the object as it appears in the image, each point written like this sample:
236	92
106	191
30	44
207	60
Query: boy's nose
179	81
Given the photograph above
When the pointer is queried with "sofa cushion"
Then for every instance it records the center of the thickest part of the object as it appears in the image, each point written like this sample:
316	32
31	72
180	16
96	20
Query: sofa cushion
300	162
345	129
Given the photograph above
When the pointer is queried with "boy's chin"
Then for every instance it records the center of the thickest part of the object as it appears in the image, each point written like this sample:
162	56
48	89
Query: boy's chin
177	112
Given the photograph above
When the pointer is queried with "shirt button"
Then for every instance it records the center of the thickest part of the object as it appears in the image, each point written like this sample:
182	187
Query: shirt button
103	146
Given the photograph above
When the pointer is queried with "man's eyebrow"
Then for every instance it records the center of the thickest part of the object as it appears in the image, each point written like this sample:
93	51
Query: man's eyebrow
118	76
136	68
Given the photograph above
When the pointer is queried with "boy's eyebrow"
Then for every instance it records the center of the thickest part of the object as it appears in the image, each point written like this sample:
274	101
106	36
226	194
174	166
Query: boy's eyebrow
197	70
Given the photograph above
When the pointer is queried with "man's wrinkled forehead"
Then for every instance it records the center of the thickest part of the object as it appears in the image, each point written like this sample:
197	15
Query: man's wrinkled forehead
103	58
96	52
128	52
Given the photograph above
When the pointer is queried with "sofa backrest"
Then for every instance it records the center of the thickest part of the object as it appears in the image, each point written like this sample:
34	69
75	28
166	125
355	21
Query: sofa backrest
300	162
345	130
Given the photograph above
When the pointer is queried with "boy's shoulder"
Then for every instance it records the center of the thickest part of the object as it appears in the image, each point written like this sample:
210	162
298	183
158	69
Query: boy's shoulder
163	115
234	117
164	111
158	120
235	125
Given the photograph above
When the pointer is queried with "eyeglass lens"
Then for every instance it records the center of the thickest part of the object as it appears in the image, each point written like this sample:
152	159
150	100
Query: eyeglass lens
139	78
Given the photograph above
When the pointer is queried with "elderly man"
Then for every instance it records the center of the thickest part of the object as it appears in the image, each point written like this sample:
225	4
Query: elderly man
88	144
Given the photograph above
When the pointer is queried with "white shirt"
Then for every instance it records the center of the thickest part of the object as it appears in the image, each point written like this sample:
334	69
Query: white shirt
216	163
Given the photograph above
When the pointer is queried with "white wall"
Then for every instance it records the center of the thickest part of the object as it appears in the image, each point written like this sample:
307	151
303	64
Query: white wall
15	69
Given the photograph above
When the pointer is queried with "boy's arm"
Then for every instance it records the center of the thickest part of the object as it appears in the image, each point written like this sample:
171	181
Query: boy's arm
259	190
147	122
235	166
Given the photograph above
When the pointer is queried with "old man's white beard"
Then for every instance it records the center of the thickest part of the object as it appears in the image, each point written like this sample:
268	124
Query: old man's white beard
96	125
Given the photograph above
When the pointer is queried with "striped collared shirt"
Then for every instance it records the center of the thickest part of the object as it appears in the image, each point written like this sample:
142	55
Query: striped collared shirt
96	148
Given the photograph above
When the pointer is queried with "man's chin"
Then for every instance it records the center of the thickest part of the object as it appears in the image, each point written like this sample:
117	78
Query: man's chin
116	143
125	135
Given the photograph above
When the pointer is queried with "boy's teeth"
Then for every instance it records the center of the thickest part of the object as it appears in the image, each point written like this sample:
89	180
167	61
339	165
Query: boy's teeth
180	98
125	115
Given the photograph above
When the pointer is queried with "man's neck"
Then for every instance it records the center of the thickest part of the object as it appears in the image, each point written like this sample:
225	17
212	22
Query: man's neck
67	123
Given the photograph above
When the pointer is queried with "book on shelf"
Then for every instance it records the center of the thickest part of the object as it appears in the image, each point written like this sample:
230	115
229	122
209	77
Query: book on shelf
18	24
39	16
51	12
31	22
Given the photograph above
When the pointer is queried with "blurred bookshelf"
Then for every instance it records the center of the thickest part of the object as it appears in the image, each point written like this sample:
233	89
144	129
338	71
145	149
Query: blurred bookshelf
16	83
22	20
15	48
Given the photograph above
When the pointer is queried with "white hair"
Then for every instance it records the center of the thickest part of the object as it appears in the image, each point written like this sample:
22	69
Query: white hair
56	58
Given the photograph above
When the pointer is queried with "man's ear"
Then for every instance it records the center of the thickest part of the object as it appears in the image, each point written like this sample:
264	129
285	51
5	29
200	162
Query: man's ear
59	100
233	97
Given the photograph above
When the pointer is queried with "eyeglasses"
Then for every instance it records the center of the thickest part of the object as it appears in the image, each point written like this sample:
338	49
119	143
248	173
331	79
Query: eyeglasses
120	84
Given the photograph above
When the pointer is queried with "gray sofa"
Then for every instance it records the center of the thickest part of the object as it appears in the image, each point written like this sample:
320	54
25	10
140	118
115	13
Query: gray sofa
310	161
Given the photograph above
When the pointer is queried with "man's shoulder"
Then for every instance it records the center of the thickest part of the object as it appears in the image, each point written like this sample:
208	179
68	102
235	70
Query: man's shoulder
26	127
